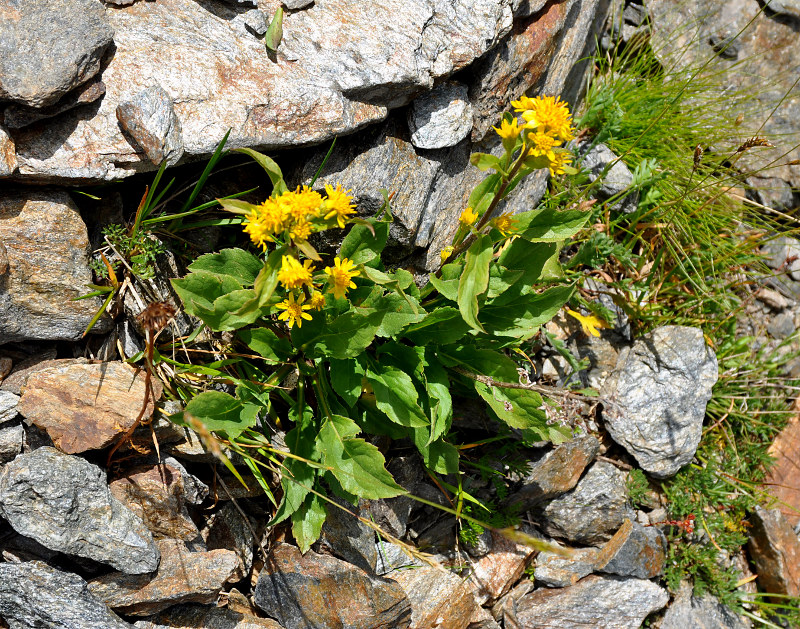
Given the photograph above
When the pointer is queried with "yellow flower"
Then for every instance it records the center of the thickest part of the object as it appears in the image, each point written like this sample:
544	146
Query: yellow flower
303	203
264	222
339	204
468	217
446	253
557	165
504	223
257	229
341	276
300	230
293	275
523	104
508	130
294	311
317	301
542	145
272	214
549	115
589	323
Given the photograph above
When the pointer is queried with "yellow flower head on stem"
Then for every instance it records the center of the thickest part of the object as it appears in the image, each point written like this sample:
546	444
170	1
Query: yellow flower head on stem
549	115
341	276
338	204
590	323
508	130
302	204
293	275
542	145
294	311
446	253
265	221
257	230
468	217
562	159
504	223
300	230
523	104
317	301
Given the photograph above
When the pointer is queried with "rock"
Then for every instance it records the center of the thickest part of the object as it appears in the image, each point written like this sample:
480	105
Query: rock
5	367
150	119
783	478
783	254
634	14
18	116
11	439
781	326
441	117
555	473
482	619
771	192
657	397
311	590
346	537
33	594
775	551
705	613
494	574
592	511
293	5
634	551
230	531
16	379
8	154
255	21
63	503
772	298
789	8
46	247
8	406
156	494
438	598
40	63
616	181
182	577
86	407
391	557
595	601
392	514
556	571
120	3
194	616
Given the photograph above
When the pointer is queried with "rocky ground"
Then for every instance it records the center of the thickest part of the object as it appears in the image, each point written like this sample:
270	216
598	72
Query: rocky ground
165	536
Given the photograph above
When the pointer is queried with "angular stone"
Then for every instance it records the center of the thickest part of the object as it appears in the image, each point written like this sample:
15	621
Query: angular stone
86	407
494	574
40	63
657	397
783	478
63	502
8	154
391	557
555	473
194	616
11	439
608	602
705	613
293	5
441	117
438	598
255	21
18	116
615	181
5	367
8	406
229	530
634	551
346	537
182	577
556	571
149	118
392	514
44	242
156	494
33	594
592	511
772	192
311	590
789	8
783	254
775	552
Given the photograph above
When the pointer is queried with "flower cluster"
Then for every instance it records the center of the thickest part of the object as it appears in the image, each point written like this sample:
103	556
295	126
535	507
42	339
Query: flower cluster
295	215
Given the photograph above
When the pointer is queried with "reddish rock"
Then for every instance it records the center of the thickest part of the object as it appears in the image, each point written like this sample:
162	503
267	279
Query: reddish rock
634	551
182	577
156	494
783	480
438	598
494	574
196	616
85	407
775	551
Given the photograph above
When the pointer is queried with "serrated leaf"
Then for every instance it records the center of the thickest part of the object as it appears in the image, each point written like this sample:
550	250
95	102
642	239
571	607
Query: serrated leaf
227	313
345	378
396	395
307	522
364	243
442	326
399	311
474	280
345	336
356	464
439	456
519	408
549	224
266	344
239	264
199	290
220	412
518	314
441	404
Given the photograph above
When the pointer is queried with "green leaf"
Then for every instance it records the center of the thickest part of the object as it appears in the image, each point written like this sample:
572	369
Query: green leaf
356	464
447	284
345	336
228	311
398	312
486	362
272	169
442	326
199	290
519	408
241	265
363	244
485	161
297	476
220	412
237	206
538	261
274	34
483	193
474	280
438	385
396	395
346	379
266	344
267	279
518	314
549	224
307	521
439	456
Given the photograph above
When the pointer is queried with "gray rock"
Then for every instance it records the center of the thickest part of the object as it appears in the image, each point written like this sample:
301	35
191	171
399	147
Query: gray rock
658	395
8	153
45	244
789	8
150	119
640	553
703	613
11	439
120	3
556	571
438	598
781	325
441	117
634	14
348	538
772	192
774	549
63	502
555	473
18	116
783	253
35	595
293	5
194	616
592	511
525	8
255	21
616	181
391	557
228	530
595	601
392	514
8	406
773	299
48	48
